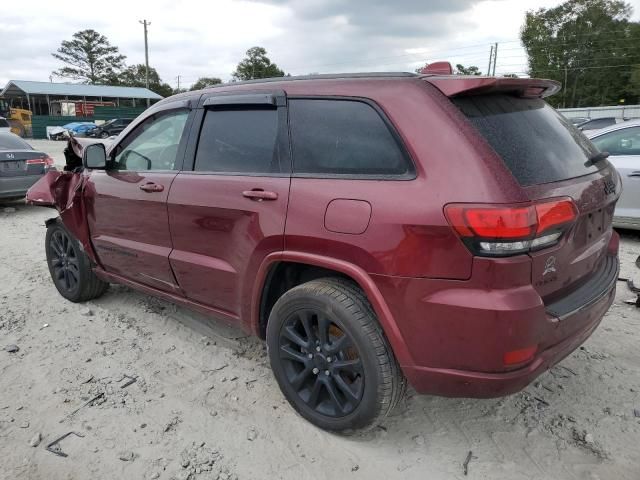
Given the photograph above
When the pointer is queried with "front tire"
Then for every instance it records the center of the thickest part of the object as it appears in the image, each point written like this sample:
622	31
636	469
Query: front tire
331	358
69	266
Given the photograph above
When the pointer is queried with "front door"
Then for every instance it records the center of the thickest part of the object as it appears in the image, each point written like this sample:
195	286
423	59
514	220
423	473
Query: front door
228	212
127	202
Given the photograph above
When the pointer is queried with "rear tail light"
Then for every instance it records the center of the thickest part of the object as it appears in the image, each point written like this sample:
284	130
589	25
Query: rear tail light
46	161
503	230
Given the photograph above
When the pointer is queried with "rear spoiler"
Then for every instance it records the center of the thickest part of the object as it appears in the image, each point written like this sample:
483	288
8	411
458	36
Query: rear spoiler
457	85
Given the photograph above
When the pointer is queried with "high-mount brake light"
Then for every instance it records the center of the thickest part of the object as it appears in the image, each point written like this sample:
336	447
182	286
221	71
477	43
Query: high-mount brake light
503	230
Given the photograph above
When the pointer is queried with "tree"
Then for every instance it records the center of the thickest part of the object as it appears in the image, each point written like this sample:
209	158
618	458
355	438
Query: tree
256	64
462	70
134	76
590	46
89	57
204	82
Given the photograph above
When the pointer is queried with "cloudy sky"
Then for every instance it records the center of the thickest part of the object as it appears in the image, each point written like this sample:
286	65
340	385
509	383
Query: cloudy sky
208	38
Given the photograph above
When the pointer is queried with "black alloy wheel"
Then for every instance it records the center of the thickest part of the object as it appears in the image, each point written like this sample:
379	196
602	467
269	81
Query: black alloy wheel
64	261
330	356
321	363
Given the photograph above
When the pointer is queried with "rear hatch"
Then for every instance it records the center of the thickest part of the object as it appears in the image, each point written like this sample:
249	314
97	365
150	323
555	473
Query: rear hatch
20	163
549	158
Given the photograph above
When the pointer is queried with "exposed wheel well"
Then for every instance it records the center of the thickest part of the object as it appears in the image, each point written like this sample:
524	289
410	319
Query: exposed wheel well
283	276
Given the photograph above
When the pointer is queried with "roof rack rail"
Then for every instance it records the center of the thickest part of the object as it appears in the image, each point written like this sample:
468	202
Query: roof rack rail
321	76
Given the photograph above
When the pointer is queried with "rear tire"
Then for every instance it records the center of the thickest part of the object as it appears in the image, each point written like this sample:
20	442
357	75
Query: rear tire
69	266
331	358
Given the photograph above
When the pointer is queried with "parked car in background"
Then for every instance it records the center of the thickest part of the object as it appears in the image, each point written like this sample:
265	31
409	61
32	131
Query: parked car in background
110	128
446	230
598	123
79	128
4	125
20	166
622	141
73	128
579	120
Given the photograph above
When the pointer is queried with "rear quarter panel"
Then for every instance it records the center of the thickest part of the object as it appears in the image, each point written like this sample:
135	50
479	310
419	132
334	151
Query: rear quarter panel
407	234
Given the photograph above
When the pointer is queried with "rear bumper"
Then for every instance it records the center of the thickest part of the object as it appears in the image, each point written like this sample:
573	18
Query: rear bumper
461	383
11	187
456	333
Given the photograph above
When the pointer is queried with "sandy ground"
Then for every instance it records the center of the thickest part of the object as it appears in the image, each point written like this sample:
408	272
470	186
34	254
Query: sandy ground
205	405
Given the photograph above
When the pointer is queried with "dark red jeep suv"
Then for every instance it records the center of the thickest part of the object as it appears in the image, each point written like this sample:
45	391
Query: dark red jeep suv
448	230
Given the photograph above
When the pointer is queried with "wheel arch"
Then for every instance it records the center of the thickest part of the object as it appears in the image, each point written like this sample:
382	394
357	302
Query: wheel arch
269	268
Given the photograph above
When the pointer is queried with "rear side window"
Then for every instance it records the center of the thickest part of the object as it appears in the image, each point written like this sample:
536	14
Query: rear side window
239	141
343	137
3	123
535	142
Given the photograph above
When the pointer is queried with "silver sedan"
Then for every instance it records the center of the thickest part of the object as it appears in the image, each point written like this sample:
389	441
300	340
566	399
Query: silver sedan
622	141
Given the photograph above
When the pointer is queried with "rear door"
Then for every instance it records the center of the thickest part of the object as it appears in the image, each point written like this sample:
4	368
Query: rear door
127	203
624	148
549	157
227	208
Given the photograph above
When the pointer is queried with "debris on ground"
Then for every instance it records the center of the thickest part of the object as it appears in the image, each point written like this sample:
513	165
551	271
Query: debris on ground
88	402
54	446
199	459
35	440
127	456
11	348
172	424
252	434
465	465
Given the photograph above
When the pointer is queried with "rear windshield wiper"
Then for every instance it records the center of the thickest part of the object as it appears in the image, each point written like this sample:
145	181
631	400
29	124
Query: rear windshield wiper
596	158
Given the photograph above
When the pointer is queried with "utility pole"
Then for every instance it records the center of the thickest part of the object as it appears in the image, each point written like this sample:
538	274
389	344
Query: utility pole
178	83
490	61
495	58
146	55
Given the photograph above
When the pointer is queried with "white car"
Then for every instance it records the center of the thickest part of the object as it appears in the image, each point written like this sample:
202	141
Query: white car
4	126
622	141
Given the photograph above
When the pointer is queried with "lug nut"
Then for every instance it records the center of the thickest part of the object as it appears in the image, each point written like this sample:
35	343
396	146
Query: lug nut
318	349
326	372
329	359
310	355
315	371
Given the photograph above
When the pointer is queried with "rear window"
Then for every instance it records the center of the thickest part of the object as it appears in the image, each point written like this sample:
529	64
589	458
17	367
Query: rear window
535	142
9	141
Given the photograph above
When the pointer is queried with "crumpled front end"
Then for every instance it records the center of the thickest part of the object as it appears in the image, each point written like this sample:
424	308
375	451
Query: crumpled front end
63	191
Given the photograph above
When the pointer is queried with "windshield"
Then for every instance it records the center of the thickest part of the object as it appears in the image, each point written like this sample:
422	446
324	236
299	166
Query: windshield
535	142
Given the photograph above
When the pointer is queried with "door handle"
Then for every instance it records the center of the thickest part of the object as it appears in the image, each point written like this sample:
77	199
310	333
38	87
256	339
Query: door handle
634	174
152	187
259	195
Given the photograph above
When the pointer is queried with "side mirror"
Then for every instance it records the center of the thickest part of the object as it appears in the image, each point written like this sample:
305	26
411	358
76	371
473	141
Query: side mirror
95	156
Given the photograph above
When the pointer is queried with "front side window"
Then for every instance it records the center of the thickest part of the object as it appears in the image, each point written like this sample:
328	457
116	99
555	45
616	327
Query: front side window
239	141
625	141
343	137
152	145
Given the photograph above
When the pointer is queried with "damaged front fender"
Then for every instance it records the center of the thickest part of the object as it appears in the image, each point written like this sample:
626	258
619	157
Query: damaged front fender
63	191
